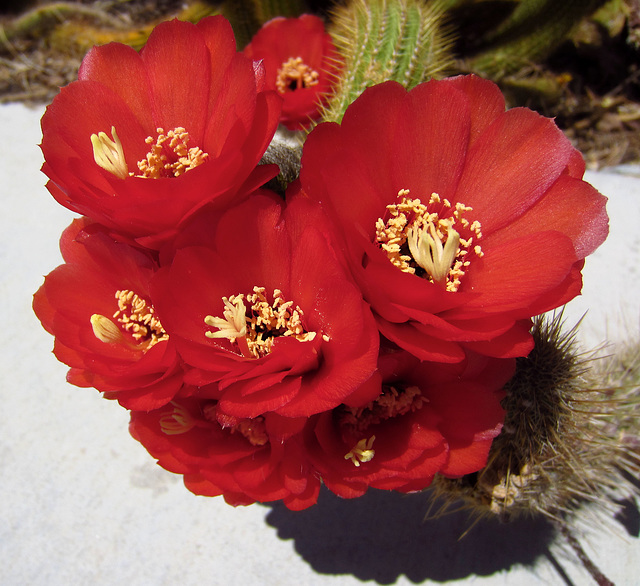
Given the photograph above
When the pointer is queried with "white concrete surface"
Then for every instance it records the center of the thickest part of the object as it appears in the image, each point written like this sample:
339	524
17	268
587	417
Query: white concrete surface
82	503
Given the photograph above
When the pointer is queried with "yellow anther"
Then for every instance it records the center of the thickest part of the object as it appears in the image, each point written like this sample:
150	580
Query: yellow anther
170	155
136	317
256	330
362	451
109	154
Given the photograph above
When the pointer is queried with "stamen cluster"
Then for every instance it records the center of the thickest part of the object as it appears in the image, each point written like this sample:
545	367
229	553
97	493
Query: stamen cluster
178	421
264	323
170	155
393	402
295	74
139	319
426	243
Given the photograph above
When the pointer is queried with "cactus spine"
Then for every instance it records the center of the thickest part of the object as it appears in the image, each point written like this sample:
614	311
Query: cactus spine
570	435
403	40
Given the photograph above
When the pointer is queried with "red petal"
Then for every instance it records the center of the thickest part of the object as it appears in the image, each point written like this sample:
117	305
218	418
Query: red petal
121	69
179	64
513	163
571	206
515	273
486	101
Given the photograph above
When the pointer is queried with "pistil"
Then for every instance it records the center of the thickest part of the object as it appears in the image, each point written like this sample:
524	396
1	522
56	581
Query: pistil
177	421
394	401
361	452
109	153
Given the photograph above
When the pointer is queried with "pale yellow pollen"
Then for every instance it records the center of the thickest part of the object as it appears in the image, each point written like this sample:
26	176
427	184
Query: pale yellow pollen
256	330
109	154
362	451
176	421
505	493
175	143
136	316
413	237
295	74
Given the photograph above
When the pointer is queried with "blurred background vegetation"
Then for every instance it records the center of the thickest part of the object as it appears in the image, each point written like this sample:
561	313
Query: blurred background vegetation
575	60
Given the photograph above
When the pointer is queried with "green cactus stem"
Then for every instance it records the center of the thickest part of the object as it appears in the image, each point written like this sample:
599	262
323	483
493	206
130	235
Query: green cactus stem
244	20
531	33
267	9
404	40
247	16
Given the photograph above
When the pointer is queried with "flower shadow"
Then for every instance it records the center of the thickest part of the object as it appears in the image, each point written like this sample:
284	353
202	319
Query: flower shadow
384	535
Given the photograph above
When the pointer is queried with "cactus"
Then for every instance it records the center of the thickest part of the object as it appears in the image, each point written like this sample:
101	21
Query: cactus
268	9
247	16
404	40
570	436
244	20
531	33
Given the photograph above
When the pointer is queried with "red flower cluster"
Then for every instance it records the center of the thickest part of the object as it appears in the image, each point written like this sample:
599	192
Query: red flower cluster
357	333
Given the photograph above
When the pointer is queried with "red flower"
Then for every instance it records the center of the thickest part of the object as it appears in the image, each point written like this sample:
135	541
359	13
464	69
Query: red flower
429	418
98	307
460	221
300	62
246	460
141	141
257	304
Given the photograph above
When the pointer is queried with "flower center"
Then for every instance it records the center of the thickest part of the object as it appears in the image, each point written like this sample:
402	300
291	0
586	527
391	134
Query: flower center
392	402
170	155
295	74
179	421
255	331
427	240
253	430
135	316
